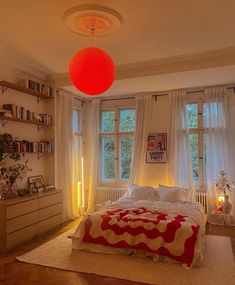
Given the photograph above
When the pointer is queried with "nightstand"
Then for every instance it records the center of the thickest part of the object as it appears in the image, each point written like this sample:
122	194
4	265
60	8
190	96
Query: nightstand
219	218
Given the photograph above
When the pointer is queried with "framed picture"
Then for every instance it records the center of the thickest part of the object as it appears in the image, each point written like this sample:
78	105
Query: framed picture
156	148
37	181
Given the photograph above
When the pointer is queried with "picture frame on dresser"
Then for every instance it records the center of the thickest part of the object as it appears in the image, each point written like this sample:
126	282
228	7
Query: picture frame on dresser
37	181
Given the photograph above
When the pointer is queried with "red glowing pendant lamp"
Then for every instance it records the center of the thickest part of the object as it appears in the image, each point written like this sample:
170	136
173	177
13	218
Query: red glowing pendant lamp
92	71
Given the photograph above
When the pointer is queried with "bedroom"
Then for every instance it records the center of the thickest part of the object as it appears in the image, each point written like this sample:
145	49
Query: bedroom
173	91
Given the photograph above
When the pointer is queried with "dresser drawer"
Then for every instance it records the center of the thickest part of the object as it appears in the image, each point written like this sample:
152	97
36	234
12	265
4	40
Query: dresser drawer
50	200
21	222
22	208
20	236
49	211
49	223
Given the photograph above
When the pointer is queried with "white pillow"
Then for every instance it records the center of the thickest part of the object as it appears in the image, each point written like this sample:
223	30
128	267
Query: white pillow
185	191
171	187
136	192
172	195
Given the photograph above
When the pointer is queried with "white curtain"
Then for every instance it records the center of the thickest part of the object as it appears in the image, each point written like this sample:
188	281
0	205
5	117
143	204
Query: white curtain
142	125
92	151
216	138
180	172
65	166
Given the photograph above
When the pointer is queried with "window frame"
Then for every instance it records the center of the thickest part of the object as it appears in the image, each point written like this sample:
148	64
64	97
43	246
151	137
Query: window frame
116	134
80	132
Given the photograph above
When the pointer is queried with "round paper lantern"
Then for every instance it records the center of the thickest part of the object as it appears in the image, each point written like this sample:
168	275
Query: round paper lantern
92	71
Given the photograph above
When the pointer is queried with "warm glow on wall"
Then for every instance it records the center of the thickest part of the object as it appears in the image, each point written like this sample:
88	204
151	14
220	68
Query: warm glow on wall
80	189
79	194
83	189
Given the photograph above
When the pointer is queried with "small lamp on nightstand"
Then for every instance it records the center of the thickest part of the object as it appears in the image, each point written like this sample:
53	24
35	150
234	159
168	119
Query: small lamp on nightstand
219	201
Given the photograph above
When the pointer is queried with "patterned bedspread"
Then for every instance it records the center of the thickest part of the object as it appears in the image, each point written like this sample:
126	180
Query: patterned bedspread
169	235
168	231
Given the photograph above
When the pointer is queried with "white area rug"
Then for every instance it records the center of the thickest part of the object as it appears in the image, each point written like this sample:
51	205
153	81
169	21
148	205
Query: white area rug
218	267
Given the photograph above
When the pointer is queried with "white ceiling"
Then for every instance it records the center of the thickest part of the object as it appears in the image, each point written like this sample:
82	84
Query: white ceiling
34	37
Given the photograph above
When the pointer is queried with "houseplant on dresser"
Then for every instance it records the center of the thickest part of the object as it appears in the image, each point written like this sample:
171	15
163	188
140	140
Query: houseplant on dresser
9	176
10	173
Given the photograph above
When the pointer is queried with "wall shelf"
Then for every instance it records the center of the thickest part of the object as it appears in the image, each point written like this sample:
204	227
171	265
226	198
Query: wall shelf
8	85
5	120
39	154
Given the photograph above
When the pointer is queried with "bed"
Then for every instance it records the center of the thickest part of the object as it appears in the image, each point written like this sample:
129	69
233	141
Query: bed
166	231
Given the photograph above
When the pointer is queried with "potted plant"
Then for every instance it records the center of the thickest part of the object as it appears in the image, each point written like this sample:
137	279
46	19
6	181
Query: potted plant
9	176
8	148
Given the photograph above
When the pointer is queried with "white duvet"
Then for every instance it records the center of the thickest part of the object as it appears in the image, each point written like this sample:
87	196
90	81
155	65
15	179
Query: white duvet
194	210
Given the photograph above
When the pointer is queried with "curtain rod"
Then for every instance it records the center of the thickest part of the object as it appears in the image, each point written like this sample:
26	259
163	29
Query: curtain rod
195	89
76	98
192	91
114	99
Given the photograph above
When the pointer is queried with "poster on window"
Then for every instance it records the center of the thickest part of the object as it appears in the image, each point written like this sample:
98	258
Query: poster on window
156	148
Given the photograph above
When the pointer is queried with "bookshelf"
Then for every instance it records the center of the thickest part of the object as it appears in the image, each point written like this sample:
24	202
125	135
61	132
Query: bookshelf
15	113
31	124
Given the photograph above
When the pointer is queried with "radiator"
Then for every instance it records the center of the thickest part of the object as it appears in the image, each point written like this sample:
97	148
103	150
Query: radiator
105	194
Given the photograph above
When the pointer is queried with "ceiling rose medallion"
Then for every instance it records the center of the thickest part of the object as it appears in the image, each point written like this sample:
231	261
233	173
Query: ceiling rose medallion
92	70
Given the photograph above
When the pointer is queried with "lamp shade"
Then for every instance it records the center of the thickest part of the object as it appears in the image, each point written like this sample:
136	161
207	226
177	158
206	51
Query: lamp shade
92	71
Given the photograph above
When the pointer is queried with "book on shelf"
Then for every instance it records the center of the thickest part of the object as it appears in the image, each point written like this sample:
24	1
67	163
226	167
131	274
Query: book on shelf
44	89
45	118
11	108
43	146
5	113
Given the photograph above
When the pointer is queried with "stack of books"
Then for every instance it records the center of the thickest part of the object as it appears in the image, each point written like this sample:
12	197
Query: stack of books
40	87
42	146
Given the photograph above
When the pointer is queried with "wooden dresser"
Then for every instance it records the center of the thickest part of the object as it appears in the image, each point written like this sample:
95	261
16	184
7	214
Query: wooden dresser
23	218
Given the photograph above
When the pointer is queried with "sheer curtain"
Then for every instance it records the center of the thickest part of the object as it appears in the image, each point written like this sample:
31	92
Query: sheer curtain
65	164
92	151
143	115
216	138
180	172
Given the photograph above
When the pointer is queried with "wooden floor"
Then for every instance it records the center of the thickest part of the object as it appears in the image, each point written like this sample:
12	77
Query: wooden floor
13	272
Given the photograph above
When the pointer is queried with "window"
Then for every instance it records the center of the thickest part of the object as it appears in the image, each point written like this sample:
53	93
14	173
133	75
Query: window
197	121
194	121
116	140
76	121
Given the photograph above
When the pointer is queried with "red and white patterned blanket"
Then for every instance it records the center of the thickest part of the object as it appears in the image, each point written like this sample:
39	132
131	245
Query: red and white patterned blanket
169	235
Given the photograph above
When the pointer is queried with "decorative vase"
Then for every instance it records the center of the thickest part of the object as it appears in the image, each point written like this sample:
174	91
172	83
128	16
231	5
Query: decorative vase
227	206
9	191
